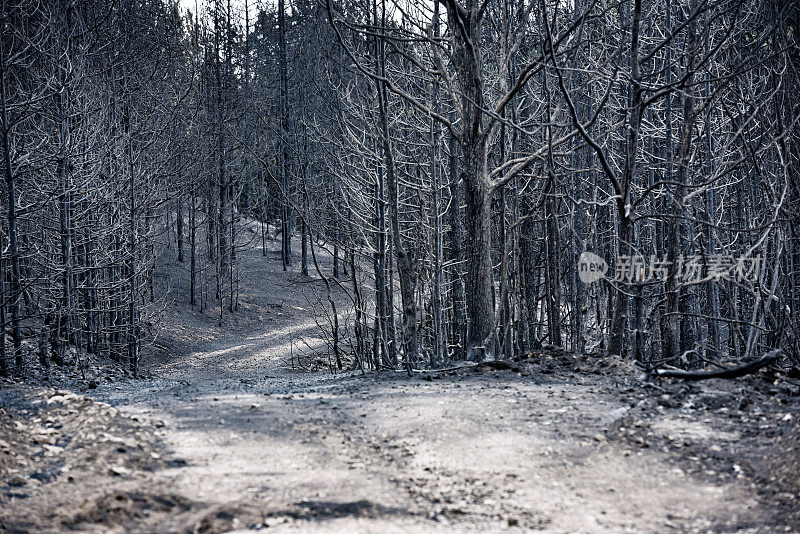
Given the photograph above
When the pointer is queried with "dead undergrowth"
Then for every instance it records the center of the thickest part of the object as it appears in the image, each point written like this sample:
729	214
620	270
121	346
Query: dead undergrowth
68	462
61	452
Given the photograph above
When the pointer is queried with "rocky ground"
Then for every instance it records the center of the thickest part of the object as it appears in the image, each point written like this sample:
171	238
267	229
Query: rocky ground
230	433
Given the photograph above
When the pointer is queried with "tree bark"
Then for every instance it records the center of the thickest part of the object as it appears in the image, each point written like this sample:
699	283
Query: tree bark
15	286
458	330
286	237
466	28
623	204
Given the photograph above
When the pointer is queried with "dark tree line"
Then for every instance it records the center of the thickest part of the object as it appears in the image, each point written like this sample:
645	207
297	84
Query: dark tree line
456	158
654	133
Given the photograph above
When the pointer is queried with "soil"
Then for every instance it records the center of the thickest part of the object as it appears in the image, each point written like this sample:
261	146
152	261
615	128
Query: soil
243	427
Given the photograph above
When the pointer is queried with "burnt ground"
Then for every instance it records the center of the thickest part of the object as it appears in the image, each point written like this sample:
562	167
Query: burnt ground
243	427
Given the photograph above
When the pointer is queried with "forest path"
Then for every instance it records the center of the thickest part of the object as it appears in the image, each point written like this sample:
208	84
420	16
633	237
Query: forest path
306	451
266	444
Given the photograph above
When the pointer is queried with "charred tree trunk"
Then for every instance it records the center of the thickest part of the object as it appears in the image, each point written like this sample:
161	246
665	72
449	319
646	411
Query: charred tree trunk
286	230
13	252
458	329
466	23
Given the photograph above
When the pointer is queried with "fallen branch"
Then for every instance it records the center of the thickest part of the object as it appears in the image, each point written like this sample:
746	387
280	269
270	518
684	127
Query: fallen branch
497	365
732	372
467	365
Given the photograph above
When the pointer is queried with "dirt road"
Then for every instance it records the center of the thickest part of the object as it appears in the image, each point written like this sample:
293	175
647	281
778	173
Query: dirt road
261	445
490	451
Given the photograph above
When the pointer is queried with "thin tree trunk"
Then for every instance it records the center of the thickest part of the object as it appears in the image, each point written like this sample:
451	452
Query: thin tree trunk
10	178
286	238
179	225
133	332
625	235
405	268
674	331
459	327
193	246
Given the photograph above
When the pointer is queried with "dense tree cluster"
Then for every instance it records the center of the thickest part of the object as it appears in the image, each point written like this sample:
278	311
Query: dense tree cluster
457	158
89	95
512	137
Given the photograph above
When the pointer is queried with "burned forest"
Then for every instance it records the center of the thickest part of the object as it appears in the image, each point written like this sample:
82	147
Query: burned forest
390	265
